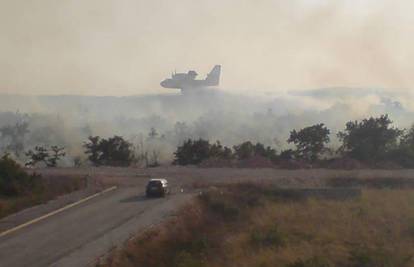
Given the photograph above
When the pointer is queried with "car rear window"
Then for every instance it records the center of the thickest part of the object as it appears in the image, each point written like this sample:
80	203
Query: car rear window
154	183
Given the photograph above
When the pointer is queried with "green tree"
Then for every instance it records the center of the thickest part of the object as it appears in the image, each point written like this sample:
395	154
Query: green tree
217	150
245	150
92	149
192	152
49	157
114	151
310	141
407	139
39	154
56	153
370	139
403	154
267	152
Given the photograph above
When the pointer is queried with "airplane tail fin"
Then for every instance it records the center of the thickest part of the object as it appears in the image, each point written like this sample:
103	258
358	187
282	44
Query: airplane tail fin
213	78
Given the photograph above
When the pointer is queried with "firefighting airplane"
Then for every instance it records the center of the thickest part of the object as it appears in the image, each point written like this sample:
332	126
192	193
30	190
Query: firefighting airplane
187	82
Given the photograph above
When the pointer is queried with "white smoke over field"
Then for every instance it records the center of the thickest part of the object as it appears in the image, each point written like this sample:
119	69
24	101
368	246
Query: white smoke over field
213	115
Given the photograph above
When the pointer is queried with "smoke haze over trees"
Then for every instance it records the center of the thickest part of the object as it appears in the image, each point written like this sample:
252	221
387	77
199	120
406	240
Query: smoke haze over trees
147	130
155	125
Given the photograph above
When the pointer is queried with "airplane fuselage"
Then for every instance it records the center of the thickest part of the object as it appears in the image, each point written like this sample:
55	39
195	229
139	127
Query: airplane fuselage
180	84
187	81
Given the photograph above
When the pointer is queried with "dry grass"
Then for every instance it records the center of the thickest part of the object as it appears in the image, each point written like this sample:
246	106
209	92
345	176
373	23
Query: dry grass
247	226
378	228
51	188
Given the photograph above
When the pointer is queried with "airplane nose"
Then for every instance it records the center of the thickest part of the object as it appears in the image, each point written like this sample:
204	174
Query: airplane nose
162	83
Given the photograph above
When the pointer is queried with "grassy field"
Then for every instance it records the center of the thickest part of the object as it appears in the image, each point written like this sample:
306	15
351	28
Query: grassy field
49	188
248	225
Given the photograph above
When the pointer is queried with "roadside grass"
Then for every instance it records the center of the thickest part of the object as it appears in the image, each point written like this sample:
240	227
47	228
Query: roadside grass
251	225
48	189
378	183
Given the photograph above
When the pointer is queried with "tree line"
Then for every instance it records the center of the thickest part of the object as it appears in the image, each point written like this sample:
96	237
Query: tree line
369	140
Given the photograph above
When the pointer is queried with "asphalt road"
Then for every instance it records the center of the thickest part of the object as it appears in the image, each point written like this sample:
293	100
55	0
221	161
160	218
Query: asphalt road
79	235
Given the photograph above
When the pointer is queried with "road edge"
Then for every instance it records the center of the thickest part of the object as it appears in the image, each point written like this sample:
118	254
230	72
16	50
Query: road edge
43	217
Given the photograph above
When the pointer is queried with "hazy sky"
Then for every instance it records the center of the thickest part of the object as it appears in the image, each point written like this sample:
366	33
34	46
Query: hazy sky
124	47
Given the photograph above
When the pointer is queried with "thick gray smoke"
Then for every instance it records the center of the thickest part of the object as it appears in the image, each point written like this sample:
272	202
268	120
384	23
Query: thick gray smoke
213	115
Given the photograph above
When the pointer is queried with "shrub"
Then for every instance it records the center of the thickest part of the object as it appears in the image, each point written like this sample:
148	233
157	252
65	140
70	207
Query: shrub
14	180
